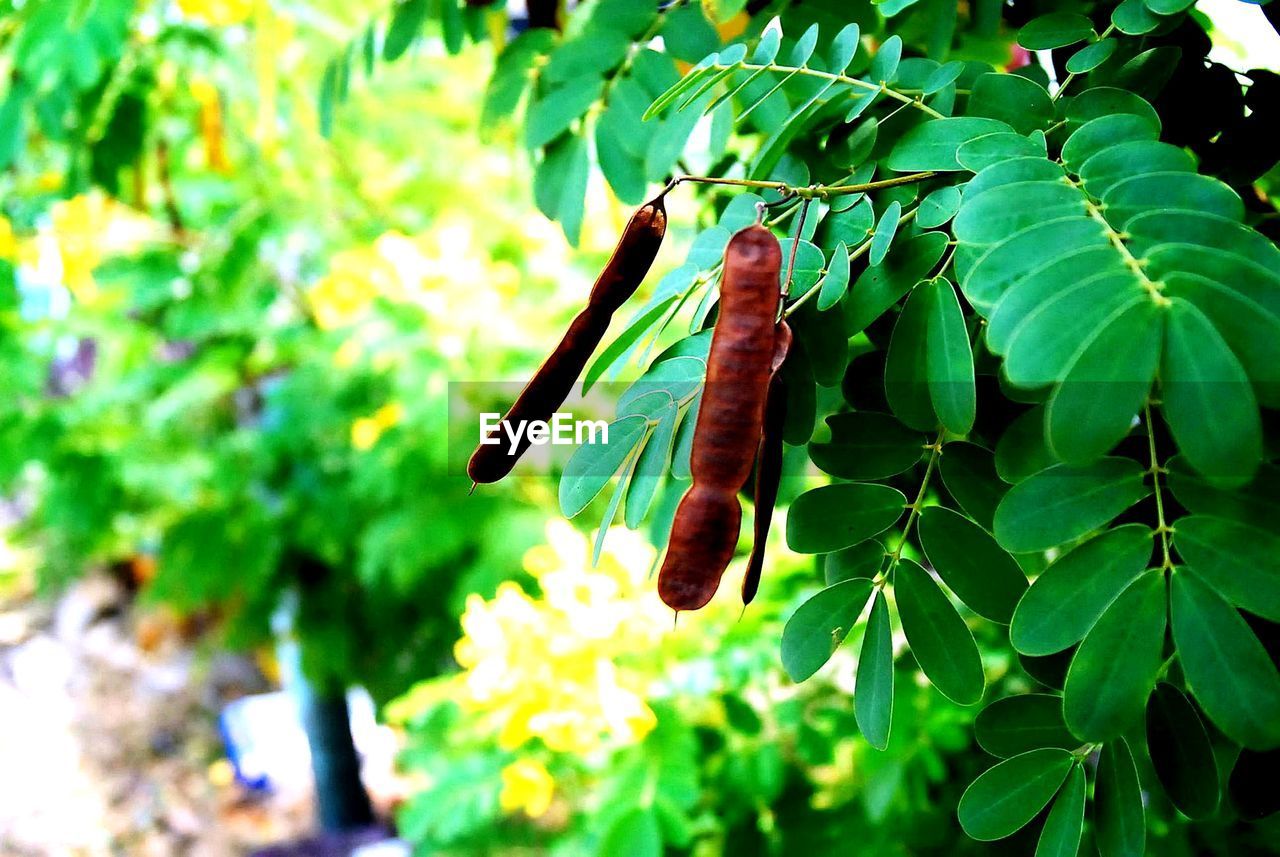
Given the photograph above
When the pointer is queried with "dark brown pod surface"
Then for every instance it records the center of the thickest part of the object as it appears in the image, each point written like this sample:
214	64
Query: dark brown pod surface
730	419
768	463
554	380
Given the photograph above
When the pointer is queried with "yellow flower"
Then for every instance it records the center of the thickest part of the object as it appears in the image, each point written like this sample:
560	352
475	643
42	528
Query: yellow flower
526	786
366	431
79	226
217	13
8	244
551	667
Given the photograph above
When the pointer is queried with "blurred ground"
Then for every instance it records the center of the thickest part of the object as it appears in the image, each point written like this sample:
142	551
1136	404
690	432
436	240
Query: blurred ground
108	734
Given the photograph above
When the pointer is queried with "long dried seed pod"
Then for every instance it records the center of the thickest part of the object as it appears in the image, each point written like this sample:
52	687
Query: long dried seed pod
730	418
554	380
768	463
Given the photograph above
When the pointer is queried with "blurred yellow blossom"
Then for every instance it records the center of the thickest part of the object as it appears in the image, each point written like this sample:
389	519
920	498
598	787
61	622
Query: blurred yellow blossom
8	244
217	13
80	229
526	786
547	667
366	430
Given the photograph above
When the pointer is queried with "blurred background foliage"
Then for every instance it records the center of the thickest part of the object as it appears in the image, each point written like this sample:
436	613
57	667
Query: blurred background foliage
229	313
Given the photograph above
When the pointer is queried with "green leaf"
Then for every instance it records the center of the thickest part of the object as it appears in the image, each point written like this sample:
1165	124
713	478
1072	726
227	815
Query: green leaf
1207	400
1227	669
990	149
932	145
942	77
511	75
837	516
969	474
809	264
1106	691
1098	135
1241	563
1065	822
1022	449
867	445
1133	18
885	63
843	48
1181	753
1012	98
819	626
949	358
551	114
651	467
1256	504
592	465
1106	384
942	644
1055	30
406	22
873	692
634	834
938	207
971	564
906	370
623	344
998	212
885	230
1119	820
880	287
862	560
836	282
1070	595
1019	724
1005	798
1091	56
560	184
1063	503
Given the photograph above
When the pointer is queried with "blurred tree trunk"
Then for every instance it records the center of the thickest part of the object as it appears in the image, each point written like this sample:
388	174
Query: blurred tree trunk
341	801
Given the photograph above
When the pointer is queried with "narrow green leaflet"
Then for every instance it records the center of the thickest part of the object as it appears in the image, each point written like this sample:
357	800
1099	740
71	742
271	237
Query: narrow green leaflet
1106	384
906	370
1017	724
406	22
625	341
1256	504
940	641
1005	798
551	114
837	516
651	466
1060	836
1091	56
971	564
867	445
836	282
885	230
1071	594
1055	30
1022	450
1227	669
949	358
873	693
1241	563
592	465
820	625
1119	820
1207	400
1115	668
1063	503
1181	753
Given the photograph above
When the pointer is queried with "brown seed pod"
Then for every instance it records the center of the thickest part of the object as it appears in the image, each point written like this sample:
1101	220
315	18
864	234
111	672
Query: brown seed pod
730	419
768	463
554	380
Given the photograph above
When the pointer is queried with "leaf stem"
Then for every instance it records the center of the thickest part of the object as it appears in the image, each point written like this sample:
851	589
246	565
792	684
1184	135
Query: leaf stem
816	191
918	103
935	452
1162	527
